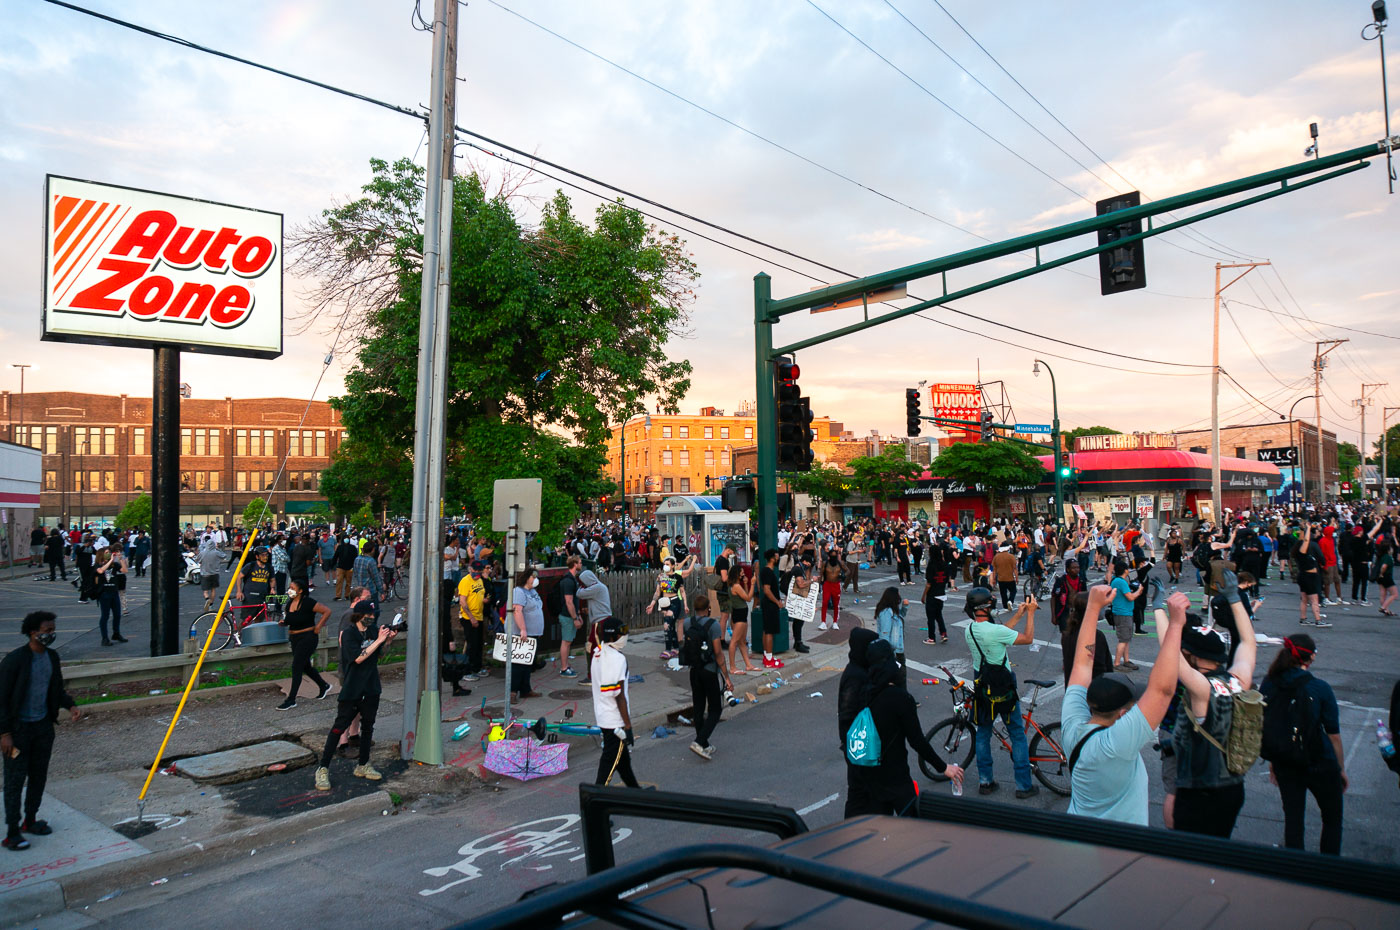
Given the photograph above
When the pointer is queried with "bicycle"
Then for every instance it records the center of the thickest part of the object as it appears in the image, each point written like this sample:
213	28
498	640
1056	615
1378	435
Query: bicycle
1049	762
390	577
1035	586
235	618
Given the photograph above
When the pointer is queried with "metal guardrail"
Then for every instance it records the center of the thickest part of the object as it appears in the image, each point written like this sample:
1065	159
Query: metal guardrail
98	672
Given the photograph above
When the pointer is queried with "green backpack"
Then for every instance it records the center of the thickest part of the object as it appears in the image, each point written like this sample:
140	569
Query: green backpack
863	740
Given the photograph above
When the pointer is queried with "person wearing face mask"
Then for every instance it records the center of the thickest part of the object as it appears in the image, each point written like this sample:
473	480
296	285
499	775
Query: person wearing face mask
360	639
31	693
608	673
528	621
670	597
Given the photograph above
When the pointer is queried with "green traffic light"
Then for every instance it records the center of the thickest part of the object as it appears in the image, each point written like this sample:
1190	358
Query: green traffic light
1064	472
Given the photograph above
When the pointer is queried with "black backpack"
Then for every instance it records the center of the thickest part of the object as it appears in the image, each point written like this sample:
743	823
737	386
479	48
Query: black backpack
1201	557
1293	734
697	651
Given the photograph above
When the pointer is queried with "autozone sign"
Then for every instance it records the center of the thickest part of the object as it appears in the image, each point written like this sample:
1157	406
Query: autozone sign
956	402
138	268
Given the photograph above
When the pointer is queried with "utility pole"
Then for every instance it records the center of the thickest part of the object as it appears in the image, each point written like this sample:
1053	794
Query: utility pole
1362	402
1385	454
1215	382
422	729
1319	363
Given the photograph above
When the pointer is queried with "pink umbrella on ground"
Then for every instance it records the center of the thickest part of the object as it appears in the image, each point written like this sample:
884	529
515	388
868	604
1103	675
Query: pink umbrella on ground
526	758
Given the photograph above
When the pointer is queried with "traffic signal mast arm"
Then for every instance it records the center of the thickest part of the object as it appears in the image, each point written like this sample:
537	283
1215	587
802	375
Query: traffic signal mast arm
945	422
1352	160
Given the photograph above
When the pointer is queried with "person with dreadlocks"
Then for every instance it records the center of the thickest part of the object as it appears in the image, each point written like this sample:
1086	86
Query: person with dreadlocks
608	677
1303	744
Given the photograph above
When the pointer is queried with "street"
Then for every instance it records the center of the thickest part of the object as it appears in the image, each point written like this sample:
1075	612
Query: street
435	863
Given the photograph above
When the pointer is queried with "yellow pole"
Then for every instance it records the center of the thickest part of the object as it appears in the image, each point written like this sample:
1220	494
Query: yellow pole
194	676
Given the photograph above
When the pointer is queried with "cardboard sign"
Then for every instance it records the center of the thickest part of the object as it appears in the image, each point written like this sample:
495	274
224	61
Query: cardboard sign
799	607
523	652
1144	505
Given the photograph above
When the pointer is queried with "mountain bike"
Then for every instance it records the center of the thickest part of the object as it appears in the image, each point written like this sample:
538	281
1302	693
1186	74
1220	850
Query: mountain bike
235	618
390	577
956	737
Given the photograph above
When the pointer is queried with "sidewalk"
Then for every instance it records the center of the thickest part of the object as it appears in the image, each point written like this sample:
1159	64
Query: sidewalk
100	763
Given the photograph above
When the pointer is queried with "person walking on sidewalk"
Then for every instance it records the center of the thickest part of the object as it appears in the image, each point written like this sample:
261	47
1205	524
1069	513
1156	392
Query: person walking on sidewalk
31	693
345	554
106	582
703	652
53	555
305	618
571	615
360	639
740	596
36	545
608	672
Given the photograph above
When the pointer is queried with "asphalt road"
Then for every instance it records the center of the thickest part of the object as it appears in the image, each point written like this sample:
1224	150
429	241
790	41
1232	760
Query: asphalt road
432	865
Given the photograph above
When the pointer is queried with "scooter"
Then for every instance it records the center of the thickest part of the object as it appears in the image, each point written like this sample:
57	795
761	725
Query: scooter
192	573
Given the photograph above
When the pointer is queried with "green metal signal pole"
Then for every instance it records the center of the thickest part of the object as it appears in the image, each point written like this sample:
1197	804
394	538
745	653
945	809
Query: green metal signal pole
1055	442
768	311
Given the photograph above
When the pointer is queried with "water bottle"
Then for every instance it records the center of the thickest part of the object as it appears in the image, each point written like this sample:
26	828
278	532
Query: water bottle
1384	740
957	789
461	731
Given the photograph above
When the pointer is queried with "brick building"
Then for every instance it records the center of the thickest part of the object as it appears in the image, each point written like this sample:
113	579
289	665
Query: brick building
1279	443
97	452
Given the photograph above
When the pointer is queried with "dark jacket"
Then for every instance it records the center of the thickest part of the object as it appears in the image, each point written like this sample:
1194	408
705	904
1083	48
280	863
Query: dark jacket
303	558
854	692
14	684
345	555
53	550
897	722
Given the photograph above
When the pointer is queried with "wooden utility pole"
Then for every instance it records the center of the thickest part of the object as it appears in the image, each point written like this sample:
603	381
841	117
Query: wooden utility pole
1319	363
1215	383
1362	402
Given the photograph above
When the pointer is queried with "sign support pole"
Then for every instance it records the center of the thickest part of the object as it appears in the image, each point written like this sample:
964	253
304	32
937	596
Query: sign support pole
165	502
512	556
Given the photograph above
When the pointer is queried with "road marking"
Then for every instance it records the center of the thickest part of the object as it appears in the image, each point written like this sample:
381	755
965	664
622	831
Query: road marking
819	804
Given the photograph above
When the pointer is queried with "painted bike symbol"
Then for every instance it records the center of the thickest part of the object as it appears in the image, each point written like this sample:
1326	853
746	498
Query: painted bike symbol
547	838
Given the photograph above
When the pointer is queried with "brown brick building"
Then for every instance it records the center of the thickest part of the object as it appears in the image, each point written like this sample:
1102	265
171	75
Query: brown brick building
1271	442
97	452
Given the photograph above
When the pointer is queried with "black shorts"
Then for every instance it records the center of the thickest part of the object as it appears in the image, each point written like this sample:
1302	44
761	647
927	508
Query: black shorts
771	621
1310	583
739	615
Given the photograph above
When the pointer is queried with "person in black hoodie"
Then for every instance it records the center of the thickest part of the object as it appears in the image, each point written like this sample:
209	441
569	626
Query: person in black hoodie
851	699
888	788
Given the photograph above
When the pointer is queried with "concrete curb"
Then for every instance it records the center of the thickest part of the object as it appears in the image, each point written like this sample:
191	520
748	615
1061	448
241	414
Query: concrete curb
86	887
24	904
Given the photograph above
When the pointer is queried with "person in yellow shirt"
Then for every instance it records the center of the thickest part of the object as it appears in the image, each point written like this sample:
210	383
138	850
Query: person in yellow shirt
471	601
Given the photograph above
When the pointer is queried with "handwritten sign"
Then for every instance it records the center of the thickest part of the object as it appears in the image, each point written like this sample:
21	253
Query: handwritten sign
800	607
522	653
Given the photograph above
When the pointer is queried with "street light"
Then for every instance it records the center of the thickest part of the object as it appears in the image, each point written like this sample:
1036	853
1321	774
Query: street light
1376	30
1054	437
622	458
22	369
1302	471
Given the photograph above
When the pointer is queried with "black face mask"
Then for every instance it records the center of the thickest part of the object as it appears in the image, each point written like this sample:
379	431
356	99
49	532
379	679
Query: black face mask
47	639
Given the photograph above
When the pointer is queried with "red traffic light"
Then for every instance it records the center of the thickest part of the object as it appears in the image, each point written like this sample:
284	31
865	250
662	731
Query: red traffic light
788	372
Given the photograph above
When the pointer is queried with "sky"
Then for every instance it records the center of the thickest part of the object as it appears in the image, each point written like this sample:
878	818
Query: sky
795	134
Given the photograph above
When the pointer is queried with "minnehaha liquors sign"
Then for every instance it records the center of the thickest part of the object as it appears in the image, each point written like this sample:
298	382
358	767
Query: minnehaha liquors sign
138	268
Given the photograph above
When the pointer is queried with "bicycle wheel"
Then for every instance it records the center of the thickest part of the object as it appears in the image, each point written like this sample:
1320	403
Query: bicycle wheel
223	635
949	738
1049	761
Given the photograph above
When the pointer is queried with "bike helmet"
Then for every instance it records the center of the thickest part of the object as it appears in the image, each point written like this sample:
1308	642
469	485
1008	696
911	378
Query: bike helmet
979	599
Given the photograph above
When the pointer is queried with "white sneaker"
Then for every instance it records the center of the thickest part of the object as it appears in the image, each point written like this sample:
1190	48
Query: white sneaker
1363	603
822	625
1345	603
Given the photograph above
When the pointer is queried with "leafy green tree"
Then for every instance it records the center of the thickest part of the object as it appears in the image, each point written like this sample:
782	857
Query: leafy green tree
1348	460
997	466
1392	453
884	476
825	483
1070	435
256	513
136	515
593	307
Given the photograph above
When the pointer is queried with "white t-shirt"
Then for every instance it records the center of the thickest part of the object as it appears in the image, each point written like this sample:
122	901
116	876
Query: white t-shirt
609	674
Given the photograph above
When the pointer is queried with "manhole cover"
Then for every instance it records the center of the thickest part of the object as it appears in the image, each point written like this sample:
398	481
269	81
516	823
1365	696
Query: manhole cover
571	694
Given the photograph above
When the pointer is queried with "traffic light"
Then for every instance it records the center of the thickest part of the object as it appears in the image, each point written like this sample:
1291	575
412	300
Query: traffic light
985	431
794	418
912	412
1065	469
1121	269
737	496
1071	481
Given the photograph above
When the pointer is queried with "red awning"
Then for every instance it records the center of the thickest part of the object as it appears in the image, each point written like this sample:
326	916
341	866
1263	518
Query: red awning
1161	459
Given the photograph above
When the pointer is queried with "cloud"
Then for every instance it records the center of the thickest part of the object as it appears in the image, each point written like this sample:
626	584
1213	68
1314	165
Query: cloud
1374	295
887	240
1357	214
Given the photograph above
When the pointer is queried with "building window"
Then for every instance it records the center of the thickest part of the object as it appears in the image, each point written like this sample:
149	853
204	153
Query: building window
685	456
320	443
138	481
665	488
665	432
685	485
186	442
138	441
724	456
748	432
709	456
109	440
1239	452
665	456
50	481
267	478
240	442
685	432
109	481
240	481
724	432
709	432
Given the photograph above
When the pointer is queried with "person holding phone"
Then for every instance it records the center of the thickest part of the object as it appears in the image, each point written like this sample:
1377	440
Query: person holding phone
361	639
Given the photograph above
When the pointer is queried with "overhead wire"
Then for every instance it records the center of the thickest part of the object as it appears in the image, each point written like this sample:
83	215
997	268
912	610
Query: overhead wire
1225	305
1219	246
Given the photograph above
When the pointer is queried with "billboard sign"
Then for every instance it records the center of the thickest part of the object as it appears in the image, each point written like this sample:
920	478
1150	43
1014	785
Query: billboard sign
1281	456
128	267
956	402
1124	442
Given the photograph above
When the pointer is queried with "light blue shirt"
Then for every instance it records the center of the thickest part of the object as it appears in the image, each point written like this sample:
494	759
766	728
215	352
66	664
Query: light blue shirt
1121	606
889	626
1109	778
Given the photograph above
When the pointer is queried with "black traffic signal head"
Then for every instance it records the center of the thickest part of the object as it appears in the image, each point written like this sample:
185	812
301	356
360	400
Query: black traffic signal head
794	418
912	412
985	430
1121	269
737	496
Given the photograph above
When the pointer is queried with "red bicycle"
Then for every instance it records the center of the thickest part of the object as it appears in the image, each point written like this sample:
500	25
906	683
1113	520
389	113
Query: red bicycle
235	618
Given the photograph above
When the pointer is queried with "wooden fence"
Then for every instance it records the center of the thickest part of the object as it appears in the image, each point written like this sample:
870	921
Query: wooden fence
631	592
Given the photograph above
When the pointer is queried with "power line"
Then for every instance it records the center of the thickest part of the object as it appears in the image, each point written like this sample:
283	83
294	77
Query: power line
1106	163
1245	339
